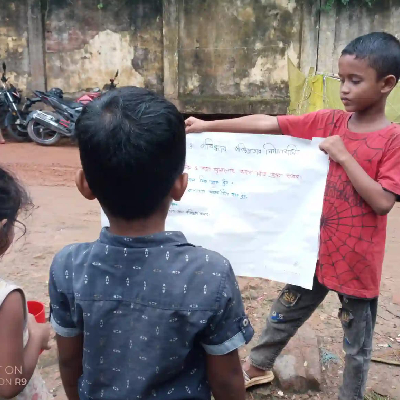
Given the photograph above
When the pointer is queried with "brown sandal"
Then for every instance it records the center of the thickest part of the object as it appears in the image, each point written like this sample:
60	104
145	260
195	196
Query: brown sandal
267	377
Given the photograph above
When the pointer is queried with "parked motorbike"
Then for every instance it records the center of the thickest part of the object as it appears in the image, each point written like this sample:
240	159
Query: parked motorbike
15	119
88	97
46	127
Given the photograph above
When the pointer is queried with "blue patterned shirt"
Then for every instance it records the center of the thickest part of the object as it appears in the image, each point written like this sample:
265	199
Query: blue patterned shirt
150	308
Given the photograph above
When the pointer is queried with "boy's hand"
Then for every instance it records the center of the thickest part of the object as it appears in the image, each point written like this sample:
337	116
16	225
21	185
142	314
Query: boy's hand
335	148
195	125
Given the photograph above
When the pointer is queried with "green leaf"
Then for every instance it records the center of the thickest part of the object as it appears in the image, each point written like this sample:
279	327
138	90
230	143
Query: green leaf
330	3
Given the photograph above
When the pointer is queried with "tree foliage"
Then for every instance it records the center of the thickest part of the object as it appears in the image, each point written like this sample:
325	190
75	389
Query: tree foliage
330	3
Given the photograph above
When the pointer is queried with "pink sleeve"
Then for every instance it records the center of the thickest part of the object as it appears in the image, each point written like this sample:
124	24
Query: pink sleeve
389	171
306	126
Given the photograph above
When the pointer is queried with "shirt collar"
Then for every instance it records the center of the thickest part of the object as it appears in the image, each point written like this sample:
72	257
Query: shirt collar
156	240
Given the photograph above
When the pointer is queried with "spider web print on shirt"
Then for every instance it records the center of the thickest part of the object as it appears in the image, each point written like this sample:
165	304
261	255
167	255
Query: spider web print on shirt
350	229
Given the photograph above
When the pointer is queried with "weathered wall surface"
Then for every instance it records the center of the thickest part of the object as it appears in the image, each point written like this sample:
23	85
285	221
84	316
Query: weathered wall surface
207	56
343	24
226	56
86	45
236	50
14	40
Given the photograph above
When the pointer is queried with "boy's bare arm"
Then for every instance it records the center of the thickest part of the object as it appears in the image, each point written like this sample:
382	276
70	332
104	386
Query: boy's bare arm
225	376
380	200
250	124
70	354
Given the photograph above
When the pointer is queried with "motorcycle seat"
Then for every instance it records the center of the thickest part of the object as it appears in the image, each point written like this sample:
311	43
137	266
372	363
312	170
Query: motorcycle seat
70	103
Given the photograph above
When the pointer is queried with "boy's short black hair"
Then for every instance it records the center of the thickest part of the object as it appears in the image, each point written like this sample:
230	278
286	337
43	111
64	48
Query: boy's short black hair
132	144
380	49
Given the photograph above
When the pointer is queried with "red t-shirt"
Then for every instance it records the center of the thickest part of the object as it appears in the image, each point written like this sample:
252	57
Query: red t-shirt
352	240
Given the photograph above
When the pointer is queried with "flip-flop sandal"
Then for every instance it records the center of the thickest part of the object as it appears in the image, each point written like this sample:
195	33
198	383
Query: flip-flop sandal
258	380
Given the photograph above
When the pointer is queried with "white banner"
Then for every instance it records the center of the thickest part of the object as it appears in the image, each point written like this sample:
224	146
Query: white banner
257	200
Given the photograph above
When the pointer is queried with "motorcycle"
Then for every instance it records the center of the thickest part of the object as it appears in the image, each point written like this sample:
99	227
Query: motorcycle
46	127
88	97
15	119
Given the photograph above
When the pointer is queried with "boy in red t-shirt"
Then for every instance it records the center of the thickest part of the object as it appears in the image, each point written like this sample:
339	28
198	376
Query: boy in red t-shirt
362	186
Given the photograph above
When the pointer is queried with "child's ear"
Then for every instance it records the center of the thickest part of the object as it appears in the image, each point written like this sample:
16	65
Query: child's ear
6	237
389	83
179	188
82	185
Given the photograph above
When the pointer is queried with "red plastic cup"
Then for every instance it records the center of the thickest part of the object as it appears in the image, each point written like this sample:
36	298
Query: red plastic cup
38	311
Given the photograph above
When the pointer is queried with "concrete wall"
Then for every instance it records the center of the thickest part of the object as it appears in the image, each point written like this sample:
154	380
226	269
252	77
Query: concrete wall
343	24
207	56
229	56
85	44
236	51
14	40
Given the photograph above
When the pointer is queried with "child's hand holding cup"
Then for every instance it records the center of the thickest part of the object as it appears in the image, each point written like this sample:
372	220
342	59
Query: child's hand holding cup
37	324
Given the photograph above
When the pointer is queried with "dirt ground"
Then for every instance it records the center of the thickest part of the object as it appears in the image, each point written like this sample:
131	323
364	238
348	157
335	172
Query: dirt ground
61	216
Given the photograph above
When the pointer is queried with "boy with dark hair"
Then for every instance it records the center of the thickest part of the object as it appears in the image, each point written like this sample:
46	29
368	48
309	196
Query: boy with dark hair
362	186
141	313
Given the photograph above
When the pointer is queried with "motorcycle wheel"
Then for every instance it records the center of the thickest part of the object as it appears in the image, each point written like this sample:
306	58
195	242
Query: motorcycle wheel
42	135
17	132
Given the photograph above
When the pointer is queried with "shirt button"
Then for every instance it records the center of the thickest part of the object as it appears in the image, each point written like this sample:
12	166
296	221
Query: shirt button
245	322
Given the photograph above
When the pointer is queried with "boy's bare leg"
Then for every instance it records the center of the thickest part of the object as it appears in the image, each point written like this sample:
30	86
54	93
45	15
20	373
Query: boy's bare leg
251	370
2	141
288	313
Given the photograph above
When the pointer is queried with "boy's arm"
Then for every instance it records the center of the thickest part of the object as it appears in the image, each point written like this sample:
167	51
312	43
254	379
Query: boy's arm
70	355
379	199
69	332
228	329
306	126
225	376
250	124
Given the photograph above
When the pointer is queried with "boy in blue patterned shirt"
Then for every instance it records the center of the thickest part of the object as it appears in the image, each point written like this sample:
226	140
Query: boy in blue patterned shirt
142	313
